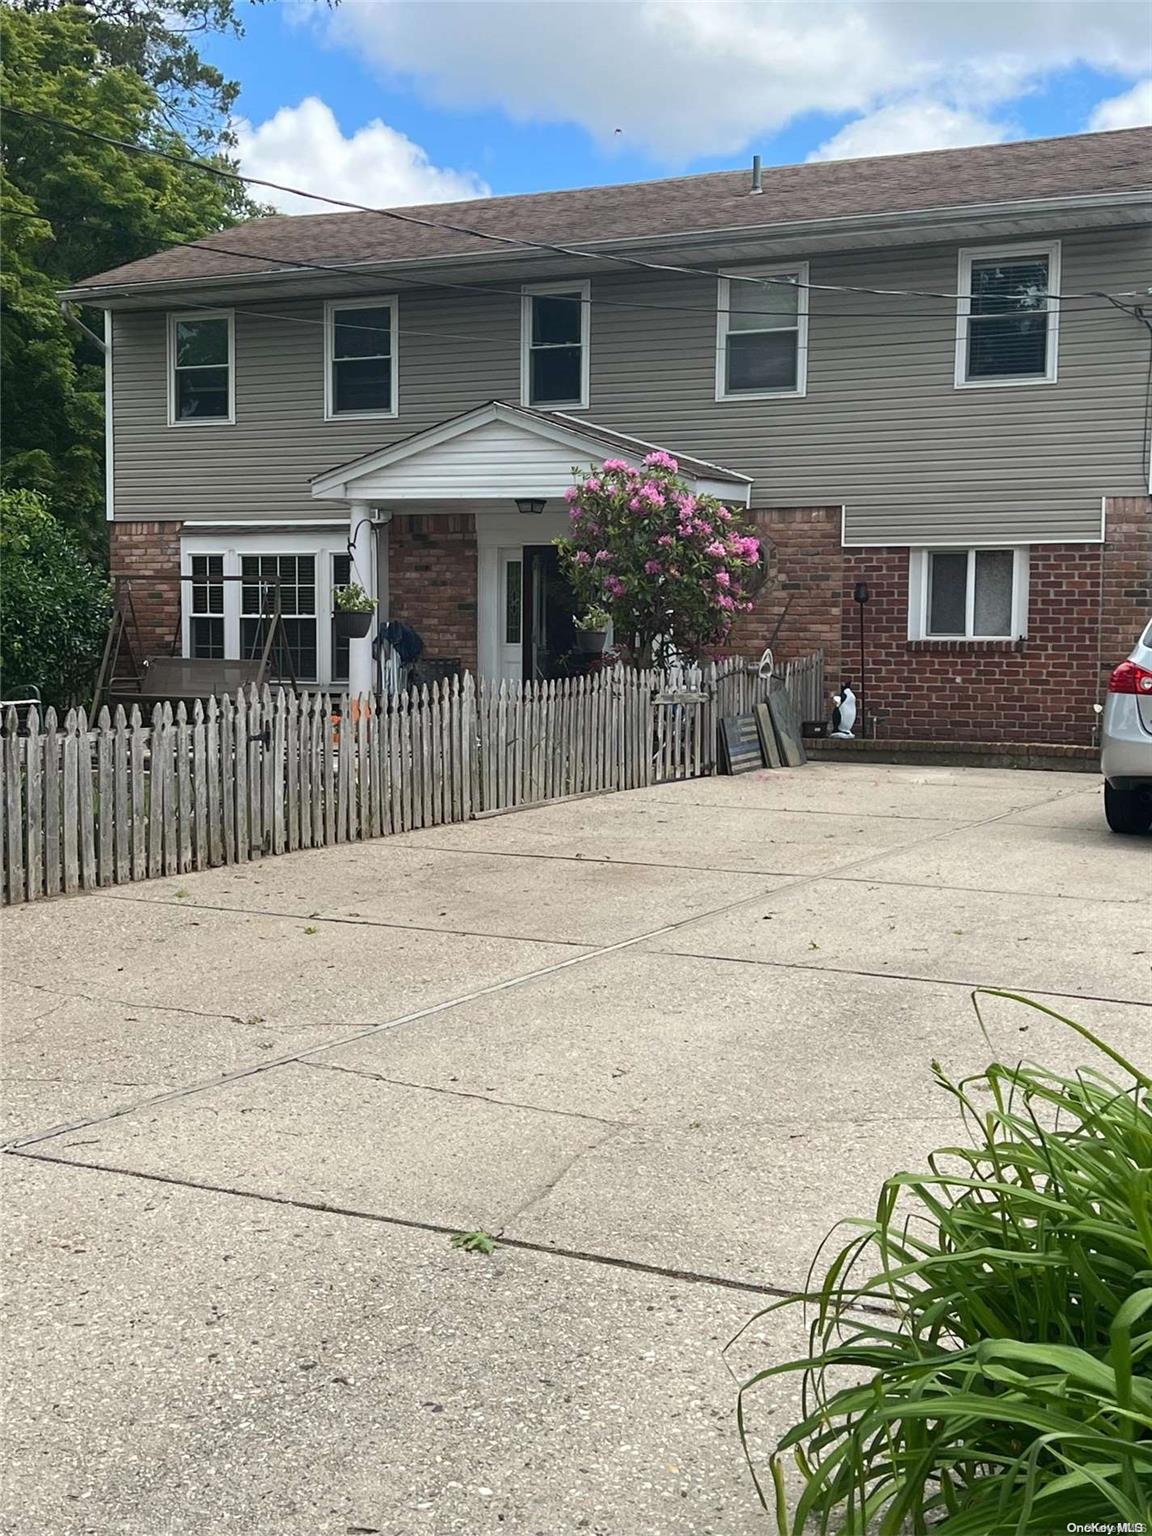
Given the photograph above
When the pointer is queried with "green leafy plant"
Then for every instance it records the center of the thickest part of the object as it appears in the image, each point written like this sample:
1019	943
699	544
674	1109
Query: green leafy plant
54	605
979	1352
352	598
593	619
474	1242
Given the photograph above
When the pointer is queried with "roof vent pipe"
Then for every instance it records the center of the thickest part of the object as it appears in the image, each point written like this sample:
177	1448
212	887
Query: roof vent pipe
757	177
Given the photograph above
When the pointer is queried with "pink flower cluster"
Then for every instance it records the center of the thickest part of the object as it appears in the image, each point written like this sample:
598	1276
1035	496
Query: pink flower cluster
661	460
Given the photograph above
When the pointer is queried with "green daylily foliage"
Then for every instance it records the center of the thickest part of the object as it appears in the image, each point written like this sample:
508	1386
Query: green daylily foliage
1005	1387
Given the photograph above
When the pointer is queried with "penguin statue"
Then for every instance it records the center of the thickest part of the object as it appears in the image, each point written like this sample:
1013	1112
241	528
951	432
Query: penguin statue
844	715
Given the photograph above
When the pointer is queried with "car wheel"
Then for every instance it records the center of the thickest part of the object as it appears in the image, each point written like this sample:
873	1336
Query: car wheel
1127	810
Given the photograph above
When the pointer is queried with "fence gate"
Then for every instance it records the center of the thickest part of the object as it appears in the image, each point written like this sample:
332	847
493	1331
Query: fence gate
683	733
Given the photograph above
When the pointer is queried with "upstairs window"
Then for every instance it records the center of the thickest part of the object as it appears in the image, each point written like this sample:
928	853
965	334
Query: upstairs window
968	594
554	345
762	335
1007	321
200	351
361	359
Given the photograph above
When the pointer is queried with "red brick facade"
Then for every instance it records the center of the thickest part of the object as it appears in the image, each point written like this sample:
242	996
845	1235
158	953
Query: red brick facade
1126	577
1087	604
432	572
1038	689
799	609
147	558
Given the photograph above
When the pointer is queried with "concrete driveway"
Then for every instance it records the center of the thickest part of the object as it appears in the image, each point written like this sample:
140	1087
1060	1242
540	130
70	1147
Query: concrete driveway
658	1042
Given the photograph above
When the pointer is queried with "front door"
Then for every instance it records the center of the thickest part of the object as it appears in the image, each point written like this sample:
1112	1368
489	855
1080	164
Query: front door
549	606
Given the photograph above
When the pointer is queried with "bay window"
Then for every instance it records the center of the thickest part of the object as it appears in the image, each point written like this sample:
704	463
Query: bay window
762	334
1007	319
968	594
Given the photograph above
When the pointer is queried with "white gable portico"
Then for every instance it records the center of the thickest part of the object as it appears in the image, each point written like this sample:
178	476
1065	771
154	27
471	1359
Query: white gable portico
498	464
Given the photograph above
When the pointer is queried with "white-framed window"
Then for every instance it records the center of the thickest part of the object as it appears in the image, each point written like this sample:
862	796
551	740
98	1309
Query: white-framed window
1007	321
360	358
291	581
968	593
554	360
201	368
762	334
231	594
206	608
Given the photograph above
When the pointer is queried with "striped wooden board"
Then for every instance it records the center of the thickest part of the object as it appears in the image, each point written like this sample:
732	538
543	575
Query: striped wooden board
740	740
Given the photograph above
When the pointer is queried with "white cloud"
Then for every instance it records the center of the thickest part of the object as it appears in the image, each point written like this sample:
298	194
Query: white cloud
688	78
906	126
304	147
1132	110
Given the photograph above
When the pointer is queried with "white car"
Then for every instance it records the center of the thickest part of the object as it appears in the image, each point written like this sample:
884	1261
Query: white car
1126	742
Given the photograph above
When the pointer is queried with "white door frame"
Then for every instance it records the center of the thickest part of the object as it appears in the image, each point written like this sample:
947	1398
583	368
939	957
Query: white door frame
498	536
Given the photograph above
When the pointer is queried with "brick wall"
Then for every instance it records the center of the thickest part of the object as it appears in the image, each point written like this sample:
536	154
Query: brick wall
147	555
803	587
432	582
1126	584
984	690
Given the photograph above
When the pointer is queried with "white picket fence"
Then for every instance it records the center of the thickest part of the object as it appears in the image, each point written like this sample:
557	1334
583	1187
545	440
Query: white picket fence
265	773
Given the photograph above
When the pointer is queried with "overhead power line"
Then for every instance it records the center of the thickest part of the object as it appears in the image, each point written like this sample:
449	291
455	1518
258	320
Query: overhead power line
518	242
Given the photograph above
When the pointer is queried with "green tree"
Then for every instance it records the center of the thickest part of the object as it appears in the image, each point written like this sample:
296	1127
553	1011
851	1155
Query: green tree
74	206
54	604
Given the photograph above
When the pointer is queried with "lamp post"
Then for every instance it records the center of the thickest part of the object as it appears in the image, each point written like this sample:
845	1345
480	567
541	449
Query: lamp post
860	598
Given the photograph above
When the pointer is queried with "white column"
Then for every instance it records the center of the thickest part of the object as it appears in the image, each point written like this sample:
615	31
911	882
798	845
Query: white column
362	545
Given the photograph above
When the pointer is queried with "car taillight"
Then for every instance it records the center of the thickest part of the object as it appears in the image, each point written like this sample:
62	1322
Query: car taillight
1129	678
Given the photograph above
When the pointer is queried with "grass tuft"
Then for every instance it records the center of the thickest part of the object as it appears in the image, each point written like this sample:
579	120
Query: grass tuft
1005	1387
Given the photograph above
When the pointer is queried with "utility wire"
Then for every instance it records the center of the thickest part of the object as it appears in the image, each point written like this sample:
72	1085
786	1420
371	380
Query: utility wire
518	242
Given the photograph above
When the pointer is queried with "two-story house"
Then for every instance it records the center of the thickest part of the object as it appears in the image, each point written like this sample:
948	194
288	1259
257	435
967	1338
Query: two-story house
941	391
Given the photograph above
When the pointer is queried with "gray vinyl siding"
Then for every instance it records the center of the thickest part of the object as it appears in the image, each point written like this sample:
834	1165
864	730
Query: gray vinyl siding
881	430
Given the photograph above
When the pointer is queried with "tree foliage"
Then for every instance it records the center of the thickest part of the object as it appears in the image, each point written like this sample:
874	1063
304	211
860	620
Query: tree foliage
56	604
670	567
74	207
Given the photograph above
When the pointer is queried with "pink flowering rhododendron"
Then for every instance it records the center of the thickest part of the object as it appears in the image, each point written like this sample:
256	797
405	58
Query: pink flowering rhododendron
673	568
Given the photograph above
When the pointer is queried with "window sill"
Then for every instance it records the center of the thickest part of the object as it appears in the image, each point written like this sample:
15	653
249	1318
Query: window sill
361	415
1033	381
968	647
202	421
761	394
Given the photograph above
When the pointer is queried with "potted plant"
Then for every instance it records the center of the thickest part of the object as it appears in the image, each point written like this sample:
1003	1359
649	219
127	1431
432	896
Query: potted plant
592	630
353	610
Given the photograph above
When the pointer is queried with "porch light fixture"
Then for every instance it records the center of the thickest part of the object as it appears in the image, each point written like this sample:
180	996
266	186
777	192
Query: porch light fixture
530	504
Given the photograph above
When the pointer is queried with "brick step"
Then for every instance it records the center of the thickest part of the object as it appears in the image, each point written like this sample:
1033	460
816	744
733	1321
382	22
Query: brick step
958	754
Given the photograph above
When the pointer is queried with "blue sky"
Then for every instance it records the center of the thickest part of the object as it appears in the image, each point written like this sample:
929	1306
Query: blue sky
438	100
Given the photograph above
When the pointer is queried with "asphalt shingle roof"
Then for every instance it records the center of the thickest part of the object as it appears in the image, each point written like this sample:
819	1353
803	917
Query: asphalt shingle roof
1077	166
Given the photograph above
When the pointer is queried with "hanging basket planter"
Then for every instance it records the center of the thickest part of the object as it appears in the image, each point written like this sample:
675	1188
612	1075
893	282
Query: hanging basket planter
591	641
351	626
